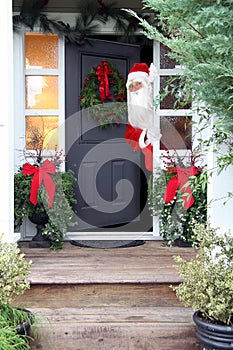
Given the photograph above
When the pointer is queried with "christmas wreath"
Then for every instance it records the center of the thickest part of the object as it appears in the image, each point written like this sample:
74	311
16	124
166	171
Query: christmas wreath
102	85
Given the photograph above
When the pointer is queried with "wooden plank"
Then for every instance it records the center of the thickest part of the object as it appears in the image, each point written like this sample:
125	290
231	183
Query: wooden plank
116	336
149	263
127	295
146	249
114	328
114	314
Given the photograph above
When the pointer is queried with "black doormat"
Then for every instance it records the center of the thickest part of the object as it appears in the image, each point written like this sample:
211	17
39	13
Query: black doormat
107	244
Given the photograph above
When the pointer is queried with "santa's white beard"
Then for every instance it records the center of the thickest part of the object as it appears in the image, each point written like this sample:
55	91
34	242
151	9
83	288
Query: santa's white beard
140	109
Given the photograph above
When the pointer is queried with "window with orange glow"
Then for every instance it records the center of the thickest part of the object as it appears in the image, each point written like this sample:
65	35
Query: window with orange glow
41	132
41	50
41	91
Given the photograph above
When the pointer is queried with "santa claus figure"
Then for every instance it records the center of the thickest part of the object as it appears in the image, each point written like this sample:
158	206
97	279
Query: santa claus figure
141	131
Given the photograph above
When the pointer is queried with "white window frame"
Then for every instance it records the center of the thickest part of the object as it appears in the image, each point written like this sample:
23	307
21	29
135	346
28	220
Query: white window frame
164	112
20	111
168	72
28	229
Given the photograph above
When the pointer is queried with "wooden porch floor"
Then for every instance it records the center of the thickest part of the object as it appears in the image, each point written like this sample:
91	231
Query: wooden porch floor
108	298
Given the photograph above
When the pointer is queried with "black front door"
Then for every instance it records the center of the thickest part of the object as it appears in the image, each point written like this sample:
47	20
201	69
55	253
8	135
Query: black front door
111	180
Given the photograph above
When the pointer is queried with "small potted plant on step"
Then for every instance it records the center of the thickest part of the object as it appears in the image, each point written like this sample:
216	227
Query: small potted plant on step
207	287
15	323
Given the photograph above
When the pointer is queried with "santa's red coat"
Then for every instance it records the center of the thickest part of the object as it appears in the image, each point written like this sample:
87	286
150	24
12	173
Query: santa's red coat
132	137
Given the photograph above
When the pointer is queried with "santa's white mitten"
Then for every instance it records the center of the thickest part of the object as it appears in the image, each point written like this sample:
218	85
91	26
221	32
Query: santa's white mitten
152	72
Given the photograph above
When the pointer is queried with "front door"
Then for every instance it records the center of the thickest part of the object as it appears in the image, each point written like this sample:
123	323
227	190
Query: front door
111	190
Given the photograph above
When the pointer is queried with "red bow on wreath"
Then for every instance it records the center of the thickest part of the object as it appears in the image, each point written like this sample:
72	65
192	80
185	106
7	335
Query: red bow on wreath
102	72
180	180
41	173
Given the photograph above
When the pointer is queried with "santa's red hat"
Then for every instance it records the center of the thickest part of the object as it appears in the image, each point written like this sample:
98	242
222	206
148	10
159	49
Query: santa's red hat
138	71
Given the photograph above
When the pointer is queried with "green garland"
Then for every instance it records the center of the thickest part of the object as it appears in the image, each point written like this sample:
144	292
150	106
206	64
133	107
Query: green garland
102	111
92	15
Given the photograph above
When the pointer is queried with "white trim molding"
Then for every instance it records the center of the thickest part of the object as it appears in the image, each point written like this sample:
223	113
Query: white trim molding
108	236
220	204
7	126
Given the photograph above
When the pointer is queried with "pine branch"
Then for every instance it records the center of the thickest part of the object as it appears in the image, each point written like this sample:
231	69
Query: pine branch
196	30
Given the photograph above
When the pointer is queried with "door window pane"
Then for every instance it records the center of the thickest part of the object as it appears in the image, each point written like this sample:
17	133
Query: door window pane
165	61
41	50
41	132
176	132
170	101
41	92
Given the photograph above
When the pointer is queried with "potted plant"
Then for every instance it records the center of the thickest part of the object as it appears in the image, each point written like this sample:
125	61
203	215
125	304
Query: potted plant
177	193
207	287
45	194
15	323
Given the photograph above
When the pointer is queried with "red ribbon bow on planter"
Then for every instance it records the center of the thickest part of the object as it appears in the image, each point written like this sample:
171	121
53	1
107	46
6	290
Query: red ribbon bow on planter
102	73
180	181
41	173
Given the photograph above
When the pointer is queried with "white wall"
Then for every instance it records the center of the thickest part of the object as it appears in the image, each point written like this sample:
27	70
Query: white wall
221	206
7	126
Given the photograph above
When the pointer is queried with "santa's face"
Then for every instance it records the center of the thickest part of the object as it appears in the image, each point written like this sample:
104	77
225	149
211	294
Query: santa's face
135	86
140	109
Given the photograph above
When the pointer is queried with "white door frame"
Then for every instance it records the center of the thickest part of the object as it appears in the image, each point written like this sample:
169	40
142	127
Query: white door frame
7	126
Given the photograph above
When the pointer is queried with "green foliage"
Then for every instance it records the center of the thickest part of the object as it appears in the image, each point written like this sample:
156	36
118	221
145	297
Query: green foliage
14	328
33	14
200	36
59	214
175	220
208	280
10	340
15	316
22	205
14	270
92	15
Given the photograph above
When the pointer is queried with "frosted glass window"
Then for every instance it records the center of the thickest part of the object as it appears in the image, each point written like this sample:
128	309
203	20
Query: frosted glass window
41	132
41	50
41	92
176	132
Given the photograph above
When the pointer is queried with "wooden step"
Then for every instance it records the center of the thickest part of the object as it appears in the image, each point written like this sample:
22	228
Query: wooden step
148	263
104	299
96	295
105	328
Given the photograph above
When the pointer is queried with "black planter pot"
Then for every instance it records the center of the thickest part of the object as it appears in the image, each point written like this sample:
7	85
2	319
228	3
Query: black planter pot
39	241
24	328
213	336
182	244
